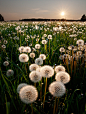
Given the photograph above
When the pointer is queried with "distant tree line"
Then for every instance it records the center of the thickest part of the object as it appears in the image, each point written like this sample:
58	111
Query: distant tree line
39	19
1	18
83	18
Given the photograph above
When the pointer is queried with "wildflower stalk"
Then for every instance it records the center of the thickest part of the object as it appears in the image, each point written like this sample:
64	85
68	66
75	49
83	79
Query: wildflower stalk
27	43
67	64
7	88
72	63
45	47
54	106
17	32
32	107
11	58
28	64
57	106
20	39
85	58
35	84
7	106
74	67
49	46
45	92
26	68
41	91
32	41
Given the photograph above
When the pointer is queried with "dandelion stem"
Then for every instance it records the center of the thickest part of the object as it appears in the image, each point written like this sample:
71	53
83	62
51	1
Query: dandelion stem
85	57
26	68
11	57
57	106
41	91
46	48
54	106
27	43
74	68
67	64
20	38
35	84
49	46
72	63
32	41
45	92
32	107
28	64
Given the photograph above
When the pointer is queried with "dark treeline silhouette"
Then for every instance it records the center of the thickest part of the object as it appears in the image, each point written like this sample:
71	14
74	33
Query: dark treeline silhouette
1	18
33	19
83	18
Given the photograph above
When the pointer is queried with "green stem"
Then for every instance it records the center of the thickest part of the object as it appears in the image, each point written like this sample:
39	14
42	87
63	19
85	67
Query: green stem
45	92
54	106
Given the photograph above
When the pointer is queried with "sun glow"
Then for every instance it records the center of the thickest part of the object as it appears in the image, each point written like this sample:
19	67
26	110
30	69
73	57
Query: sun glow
62	13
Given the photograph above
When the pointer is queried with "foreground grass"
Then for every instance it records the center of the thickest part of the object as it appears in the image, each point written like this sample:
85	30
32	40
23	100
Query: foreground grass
73	100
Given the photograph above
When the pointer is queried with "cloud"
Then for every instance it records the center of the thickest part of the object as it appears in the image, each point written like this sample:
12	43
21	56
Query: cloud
35	9
42	11
38	10
36	17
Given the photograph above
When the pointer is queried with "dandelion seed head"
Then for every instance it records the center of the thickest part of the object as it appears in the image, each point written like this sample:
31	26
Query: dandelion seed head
80	42
44	35
59	68
23	57
75	48
37	46
20	86
28	94
32	55
3	46
62	76
81	48
70	47
61	57
38	61
5	63
33	67
79	53
35	76
9	73
62	49
27	49
44	42
57	89
42	56
47	71
38	69
49	36
21	49
5	41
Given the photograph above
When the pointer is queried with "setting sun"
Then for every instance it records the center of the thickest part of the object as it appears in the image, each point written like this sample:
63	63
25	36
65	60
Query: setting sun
62	13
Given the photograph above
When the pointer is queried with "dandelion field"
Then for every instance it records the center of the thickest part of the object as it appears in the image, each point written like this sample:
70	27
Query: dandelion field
43	67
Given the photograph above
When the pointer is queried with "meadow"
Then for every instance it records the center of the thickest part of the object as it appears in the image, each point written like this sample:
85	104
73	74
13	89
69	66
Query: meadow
43	67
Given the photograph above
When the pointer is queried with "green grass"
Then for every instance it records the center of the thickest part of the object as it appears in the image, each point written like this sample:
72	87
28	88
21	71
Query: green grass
73	101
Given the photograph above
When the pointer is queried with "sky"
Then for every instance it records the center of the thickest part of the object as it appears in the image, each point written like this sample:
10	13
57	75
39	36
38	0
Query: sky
46	9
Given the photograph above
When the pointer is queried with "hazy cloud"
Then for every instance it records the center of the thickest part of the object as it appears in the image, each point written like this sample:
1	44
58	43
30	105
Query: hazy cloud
42	11
36	17
36	9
